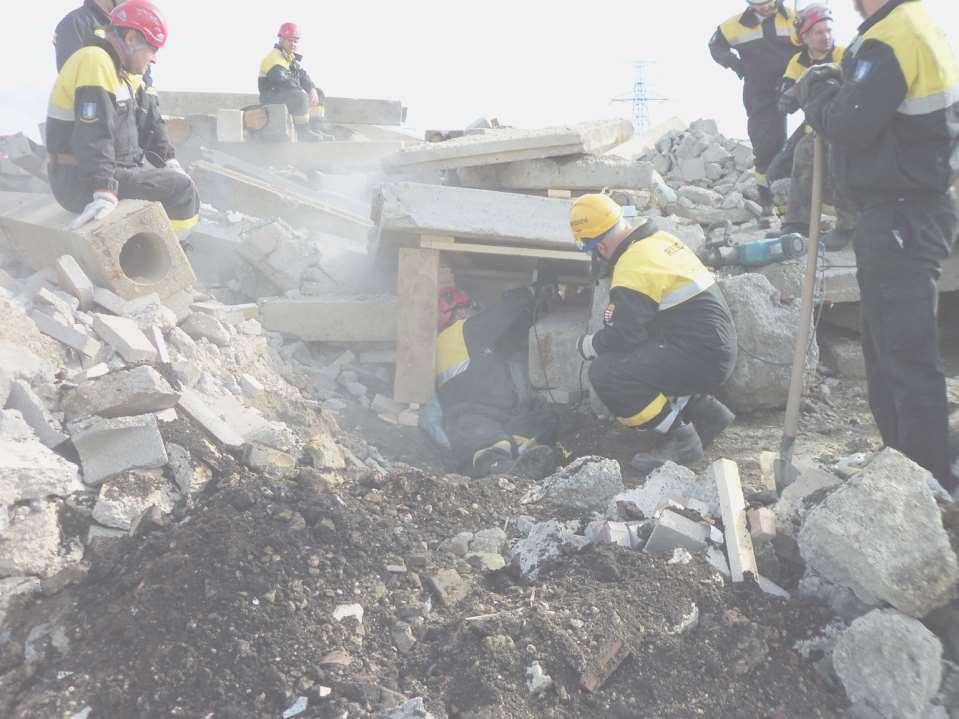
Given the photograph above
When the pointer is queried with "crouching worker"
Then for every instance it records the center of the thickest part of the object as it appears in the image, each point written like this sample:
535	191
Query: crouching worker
490	422
668	340
93	138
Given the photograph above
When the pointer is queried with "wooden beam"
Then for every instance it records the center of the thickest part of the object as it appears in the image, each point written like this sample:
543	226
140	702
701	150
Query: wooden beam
739	543
416	288
448	245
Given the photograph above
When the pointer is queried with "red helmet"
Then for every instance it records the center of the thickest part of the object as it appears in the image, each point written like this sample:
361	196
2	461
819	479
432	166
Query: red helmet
143	16
810	16
289	30
450	300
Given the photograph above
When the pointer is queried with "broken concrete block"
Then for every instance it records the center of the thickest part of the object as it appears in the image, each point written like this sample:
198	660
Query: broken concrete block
890	663
23	399
124	498
450	588
739	543
674	530
126	393
794	503
332	319
190	479
30	544
546	543
28	469
586	485
125	337
271	462
229	126
70	336
668	481
108	447
251	385
701	195
762	524
842	353
766	331
203	326
155	335
881	534
97	534
56	304
554	361
512	145
74	280
148	311
133	251
109	300
582	174
325	453
194	404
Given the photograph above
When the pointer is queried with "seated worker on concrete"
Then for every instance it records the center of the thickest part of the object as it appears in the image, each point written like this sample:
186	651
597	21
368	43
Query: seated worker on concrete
668	340
93	141
814	29
283	81
491	424
77	29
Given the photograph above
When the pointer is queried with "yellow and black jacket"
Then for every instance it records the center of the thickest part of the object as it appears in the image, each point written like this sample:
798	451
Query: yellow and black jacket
76	29
894	120
281	72
661	290
758	50
472	354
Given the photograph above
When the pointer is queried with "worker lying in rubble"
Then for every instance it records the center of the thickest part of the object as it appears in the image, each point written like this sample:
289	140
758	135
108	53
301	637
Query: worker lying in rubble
491	423
814	29
668	340
77	29
283	81
93	141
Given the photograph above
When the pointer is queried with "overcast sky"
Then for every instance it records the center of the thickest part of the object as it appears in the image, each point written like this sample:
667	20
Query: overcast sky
527	62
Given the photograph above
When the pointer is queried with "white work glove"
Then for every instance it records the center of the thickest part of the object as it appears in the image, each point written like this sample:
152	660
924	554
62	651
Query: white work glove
585	346
175	166
104	202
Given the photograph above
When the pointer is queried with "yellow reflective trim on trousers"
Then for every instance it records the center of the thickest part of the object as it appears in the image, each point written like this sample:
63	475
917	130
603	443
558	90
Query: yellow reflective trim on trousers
185	224
647	414
935	102
702	281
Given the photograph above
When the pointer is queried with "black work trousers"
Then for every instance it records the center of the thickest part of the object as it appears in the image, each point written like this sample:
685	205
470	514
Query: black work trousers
472	427
900	246
174	190
634	384
297	101
766	126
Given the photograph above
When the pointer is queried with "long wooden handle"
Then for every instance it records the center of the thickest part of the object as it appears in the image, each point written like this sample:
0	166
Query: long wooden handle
801	347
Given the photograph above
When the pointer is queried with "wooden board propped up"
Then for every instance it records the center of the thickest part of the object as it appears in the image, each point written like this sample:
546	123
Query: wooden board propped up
416	287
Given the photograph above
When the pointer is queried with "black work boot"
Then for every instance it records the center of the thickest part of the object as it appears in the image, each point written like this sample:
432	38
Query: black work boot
492	460
681	445
536	463
837	239
709	416
766	200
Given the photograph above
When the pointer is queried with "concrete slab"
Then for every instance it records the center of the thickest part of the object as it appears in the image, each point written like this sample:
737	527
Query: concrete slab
511	145
108	447
581	174
194	404
332	318
348	110
125	337
318	156
134	251
121	394
460	212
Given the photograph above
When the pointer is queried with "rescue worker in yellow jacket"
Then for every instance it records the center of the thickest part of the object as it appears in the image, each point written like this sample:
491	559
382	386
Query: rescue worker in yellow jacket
283	81
814	29
757	45
891	114
77	29
93	140
668	341
482	385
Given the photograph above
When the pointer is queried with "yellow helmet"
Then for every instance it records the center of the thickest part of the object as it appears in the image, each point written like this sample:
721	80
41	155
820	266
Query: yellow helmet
592	216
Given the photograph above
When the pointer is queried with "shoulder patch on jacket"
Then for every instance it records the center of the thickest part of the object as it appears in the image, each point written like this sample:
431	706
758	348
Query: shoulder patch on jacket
862	70
87	112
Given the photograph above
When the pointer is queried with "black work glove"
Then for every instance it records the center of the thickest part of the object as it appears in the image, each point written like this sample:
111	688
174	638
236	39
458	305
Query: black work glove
788	104
814	79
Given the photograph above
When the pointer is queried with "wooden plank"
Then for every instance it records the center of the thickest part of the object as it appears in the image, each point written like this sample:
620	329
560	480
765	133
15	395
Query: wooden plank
435	243
739	543
416	288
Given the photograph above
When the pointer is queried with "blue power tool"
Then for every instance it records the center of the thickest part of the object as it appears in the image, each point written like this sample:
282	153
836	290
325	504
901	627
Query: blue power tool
753	254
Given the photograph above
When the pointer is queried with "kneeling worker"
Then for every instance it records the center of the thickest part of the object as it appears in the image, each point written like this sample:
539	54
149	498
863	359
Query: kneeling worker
283	81
487	415
668	340
93	138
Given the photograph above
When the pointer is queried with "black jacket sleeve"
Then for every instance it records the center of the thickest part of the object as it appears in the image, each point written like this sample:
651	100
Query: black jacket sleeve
626	321
855	112
71	34
306	82
279	78
723	53
502	324
92	143
151	127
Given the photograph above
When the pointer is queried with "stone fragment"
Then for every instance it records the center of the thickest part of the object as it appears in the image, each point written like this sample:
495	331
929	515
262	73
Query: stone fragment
325	453
669	480
108	447
203	326
23	399
490	541
125	338
762	524
65	334
795	502
674	530
269	461
701	195
485	562
881	534
28	469
693	169
588	484
546	543
251	386
124	498
109	300
843	354
74	280
194	404
190	479
121	394
30	544
450	588
739	544
891	663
